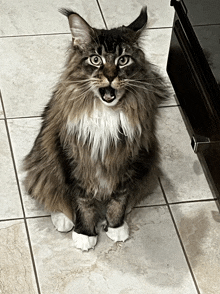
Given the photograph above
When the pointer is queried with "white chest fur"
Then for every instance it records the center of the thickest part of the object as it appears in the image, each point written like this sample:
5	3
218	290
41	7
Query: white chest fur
101	129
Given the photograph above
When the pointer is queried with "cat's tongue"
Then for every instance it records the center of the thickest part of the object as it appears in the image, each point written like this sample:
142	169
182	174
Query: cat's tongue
107	94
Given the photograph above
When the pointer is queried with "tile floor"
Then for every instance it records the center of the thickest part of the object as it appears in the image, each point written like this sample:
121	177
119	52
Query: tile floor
174	234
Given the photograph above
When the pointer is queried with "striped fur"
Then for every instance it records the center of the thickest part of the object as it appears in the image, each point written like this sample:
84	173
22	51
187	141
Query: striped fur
97	151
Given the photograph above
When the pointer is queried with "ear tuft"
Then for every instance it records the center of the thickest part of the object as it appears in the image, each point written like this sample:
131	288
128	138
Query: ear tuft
138	24
80	29
66	12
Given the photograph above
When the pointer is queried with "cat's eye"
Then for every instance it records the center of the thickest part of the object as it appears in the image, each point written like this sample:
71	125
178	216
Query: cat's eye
95	60
124	60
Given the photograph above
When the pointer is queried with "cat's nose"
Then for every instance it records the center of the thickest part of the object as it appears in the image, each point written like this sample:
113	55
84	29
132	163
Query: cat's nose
110	72
110	78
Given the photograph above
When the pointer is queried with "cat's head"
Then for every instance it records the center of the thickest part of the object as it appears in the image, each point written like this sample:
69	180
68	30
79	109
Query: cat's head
108	61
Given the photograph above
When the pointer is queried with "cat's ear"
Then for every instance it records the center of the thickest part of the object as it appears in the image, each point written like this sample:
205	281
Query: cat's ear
139	23
80	29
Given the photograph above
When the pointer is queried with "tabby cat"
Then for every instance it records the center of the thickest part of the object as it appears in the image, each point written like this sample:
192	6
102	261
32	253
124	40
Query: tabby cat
96	152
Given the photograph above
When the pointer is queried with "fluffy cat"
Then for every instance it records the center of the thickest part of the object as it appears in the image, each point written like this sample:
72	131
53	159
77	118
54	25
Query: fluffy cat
96	152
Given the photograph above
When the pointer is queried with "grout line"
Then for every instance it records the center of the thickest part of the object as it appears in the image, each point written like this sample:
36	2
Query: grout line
3	110
19	191
23	117
206	25
38	216
193	201
11	219
179	237
34	35
21	218
136	207
158	28
67	33
61	33
102	14
177	203
151	205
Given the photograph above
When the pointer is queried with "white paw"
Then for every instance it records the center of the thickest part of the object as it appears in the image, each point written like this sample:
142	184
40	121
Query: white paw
83	242
61	222
118	234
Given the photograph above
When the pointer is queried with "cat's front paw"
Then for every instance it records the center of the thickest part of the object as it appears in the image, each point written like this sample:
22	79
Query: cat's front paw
61	222
118	234
83	242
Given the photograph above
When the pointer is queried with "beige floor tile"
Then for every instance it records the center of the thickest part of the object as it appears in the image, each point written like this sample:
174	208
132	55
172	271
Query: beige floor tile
1	111
9	196
42	17
183	176
124	12
16	272
23	133
29	71
155	44
199	227
154	198
151	260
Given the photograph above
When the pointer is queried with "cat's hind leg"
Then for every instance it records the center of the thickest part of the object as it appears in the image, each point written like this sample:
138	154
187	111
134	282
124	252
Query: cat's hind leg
118	234
117	229
61	222
86	219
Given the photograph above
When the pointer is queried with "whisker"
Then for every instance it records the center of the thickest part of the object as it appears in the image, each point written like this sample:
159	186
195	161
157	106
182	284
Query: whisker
139	81
143	88
89	85
145	82
137	86
134	74
84	81
83	87
141	84
83	93
132	90
137	95
159	78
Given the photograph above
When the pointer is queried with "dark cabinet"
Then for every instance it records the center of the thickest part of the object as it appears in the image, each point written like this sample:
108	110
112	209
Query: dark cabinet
194	70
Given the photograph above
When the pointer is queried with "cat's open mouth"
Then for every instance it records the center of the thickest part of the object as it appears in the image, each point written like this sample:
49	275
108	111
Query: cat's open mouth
108	94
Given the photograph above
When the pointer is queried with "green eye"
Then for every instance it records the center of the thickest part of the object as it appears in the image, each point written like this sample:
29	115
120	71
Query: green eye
95	60
124	60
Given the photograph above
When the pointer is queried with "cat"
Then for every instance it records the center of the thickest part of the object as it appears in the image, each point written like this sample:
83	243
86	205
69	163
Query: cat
97	151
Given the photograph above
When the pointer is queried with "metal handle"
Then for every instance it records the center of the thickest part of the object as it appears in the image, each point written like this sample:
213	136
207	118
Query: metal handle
199	143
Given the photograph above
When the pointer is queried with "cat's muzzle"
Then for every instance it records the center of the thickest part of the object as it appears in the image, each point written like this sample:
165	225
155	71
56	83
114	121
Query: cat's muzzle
108	94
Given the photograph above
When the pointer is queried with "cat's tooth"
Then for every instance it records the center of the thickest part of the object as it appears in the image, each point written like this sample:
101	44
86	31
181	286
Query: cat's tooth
108	97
